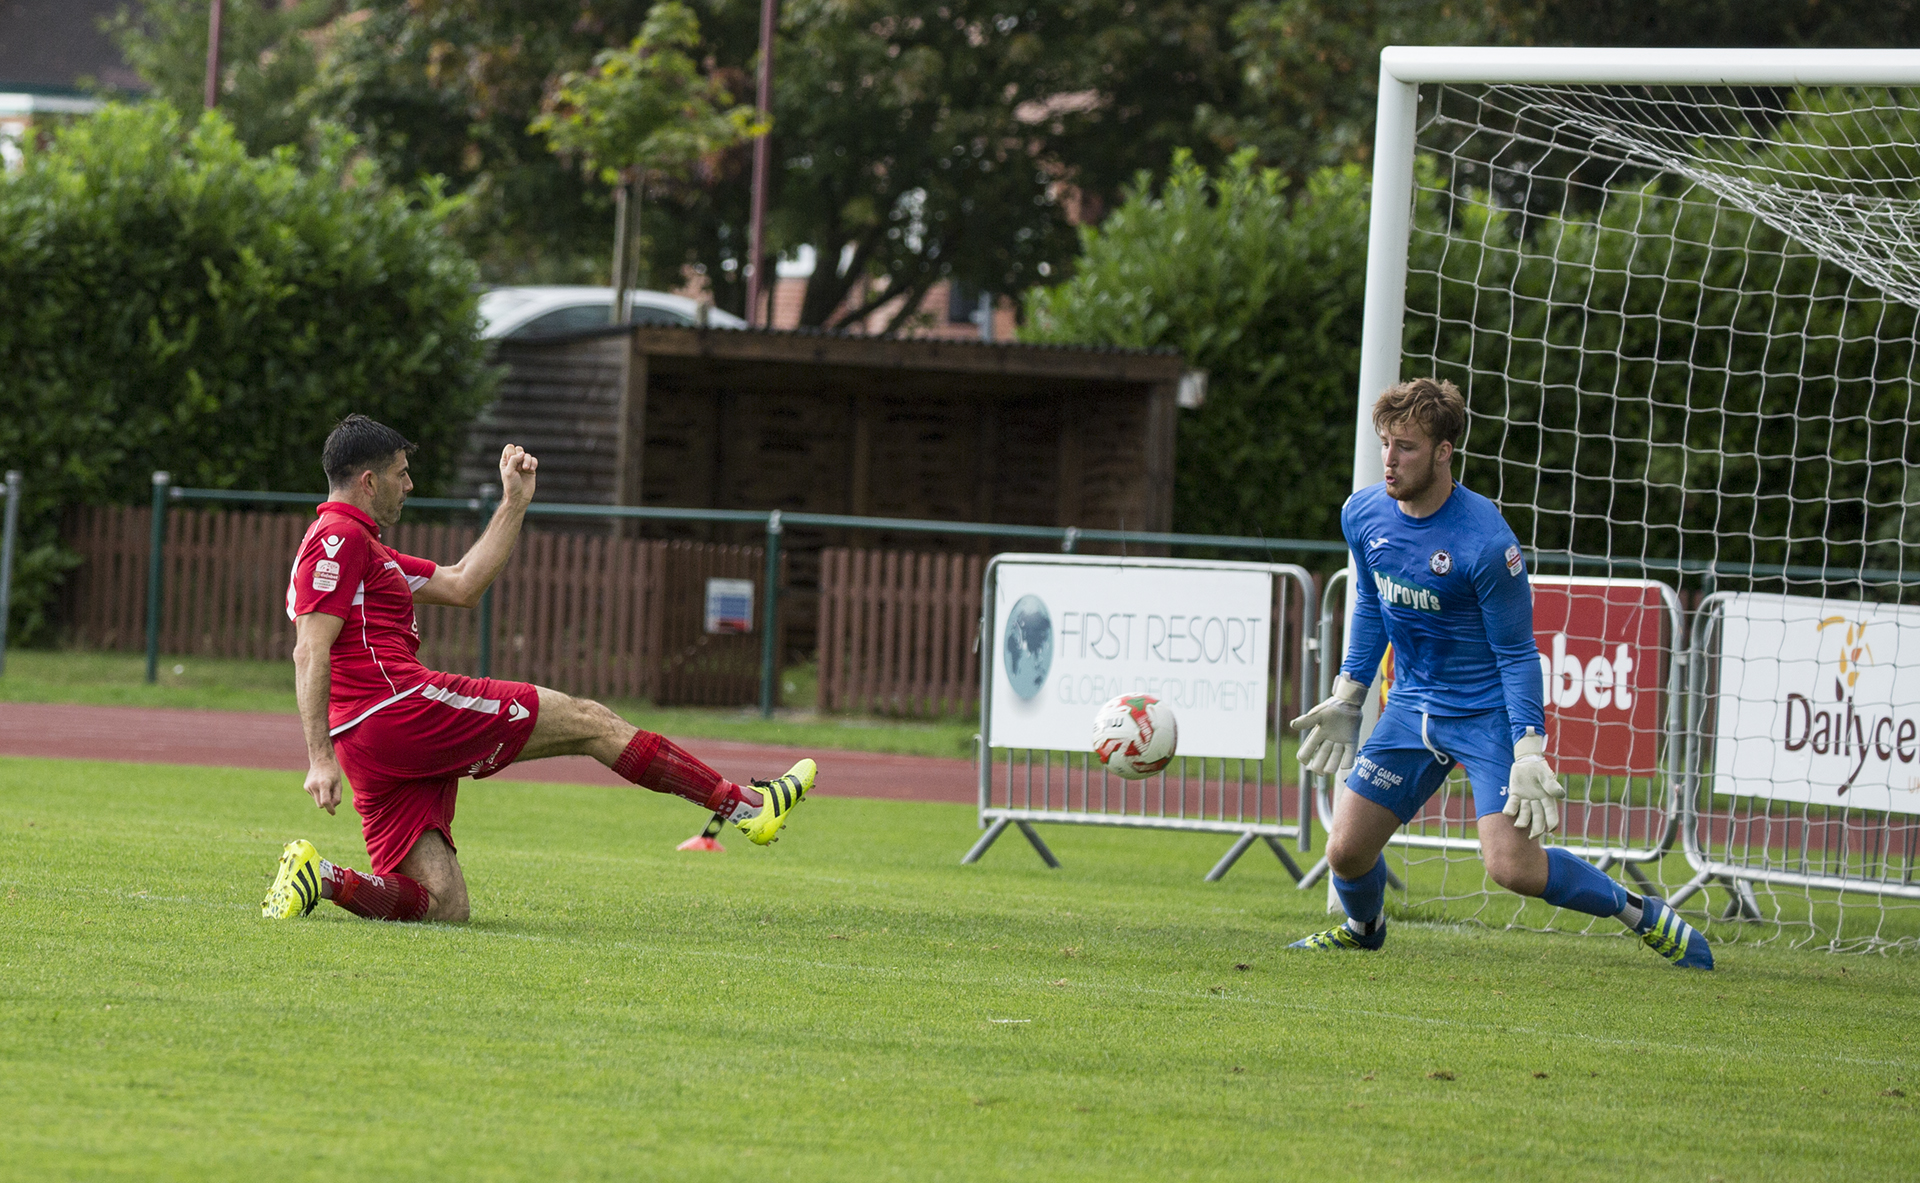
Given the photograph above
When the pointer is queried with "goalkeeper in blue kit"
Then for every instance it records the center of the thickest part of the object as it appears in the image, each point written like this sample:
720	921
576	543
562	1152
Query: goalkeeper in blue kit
1439	574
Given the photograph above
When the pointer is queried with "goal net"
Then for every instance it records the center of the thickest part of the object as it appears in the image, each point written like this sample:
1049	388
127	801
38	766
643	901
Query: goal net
1685	318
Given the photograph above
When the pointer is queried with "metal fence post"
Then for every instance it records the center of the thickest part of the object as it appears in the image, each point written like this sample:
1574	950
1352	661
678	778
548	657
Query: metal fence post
156	556
7	534
484	658
768	640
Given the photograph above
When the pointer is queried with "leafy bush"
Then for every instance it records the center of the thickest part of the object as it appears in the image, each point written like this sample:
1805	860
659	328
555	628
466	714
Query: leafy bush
1674	379
1263	289
1668	376
169	302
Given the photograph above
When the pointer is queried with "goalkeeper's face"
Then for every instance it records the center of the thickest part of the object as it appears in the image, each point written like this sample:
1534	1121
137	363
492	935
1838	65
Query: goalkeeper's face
1414	464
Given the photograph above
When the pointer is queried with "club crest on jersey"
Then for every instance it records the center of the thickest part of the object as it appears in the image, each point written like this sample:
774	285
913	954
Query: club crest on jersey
331	544
1440	563
1514	565
1393	592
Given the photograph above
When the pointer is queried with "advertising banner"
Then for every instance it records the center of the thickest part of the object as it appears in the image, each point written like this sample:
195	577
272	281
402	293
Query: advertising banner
1068	637
1603	665
1819	701
1602	670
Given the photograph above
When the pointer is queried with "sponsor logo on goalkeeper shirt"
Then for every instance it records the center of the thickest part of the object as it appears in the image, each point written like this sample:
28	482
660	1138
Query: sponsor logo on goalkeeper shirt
1395	593
1601	654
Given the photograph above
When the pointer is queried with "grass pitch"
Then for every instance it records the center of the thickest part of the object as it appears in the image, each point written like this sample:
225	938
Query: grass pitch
852	1004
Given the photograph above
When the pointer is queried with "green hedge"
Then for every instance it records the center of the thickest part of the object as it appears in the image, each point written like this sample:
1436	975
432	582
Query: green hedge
1262	288
1670	377
169	302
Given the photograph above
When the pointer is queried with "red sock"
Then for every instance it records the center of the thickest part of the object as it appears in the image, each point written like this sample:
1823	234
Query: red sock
377	897
656	762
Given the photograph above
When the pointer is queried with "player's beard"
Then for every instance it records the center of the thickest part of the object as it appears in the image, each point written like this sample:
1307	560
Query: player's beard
1406	488
386	510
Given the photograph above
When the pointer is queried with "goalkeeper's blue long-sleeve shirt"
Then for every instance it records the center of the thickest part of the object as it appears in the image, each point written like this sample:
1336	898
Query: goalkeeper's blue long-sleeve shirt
1450	591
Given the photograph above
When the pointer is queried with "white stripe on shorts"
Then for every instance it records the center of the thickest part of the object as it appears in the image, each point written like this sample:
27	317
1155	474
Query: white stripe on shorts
1437	753
362	716
463	702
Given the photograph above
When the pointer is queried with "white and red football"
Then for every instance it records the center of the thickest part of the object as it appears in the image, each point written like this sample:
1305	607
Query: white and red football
1135	736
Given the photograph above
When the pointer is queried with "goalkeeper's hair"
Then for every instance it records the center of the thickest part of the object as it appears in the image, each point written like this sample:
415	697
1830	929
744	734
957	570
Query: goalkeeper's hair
356	444
1431	404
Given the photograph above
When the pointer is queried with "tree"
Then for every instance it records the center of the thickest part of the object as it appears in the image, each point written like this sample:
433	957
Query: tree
960	141
1260	286
1677	378
168	301
913	144
267	60
1837	24
1313	68
644	111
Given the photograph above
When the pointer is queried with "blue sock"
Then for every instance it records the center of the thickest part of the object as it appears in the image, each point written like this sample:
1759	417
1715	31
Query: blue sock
1573	882
1365	897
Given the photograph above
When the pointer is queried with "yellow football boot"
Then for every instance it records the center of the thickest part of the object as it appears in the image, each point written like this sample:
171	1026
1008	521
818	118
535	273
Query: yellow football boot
296	889
782	794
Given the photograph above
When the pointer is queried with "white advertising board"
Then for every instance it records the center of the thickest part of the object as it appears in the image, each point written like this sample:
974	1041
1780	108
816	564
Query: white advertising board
1068	637
1819	701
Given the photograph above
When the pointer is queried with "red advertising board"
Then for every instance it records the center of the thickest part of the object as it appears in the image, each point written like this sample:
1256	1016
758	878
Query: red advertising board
1603	665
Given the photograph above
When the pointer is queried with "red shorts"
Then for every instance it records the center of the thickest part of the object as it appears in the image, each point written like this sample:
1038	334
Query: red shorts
405	760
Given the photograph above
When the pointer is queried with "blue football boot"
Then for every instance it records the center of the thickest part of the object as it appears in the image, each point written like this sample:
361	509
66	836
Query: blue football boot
1671	937
1342	938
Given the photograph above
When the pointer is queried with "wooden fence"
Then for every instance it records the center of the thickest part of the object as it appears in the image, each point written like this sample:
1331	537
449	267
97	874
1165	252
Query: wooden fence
583	612
897	632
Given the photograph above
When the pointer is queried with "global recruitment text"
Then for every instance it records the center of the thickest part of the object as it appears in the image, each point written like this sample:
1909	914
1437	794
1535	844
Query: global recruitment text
1132	640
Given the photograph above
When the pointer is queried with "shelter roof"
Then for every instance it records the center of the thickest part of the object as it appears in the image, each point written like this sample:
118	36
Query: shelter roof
930	355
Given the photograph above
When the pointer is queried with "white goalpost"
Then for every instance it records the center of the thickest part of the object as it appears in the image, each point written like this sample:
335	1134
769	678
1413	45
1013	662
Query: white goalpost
1680	290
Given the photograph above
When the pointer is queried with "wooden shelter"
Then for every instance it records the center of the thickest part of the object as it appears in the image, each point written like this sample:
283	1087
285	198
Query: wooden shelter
828	423
750	419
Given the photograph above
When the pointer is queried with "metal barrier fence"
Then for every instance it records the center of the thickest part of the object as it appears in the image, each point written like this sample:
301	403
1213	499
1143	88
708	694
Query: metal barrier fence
1807	855
773	522
1785	839
1607	819
1243	797
8	532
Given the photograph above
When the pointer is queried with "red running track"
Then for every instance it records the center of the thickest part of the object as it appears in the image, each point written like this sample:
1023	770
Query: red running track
234	739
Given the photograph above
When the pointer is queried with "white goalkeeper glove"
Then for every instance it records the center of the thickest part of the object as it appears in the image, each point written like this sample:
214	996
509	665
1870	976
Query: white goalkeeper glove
1533	792
1332	728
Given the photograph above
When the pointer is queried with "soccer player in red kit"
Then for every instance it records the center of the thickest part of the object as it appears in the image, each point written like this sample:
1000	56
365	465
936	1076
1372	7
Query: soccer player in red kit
403	734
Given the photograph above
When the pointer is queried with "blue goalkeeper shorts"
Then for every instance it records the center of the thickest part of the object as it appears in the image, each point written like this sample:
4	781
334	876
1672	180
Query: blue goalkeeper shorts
1409	753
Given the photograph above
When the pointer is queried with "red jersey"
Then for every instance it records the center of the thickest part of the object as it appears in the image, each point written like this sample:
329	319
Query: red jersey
344	570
